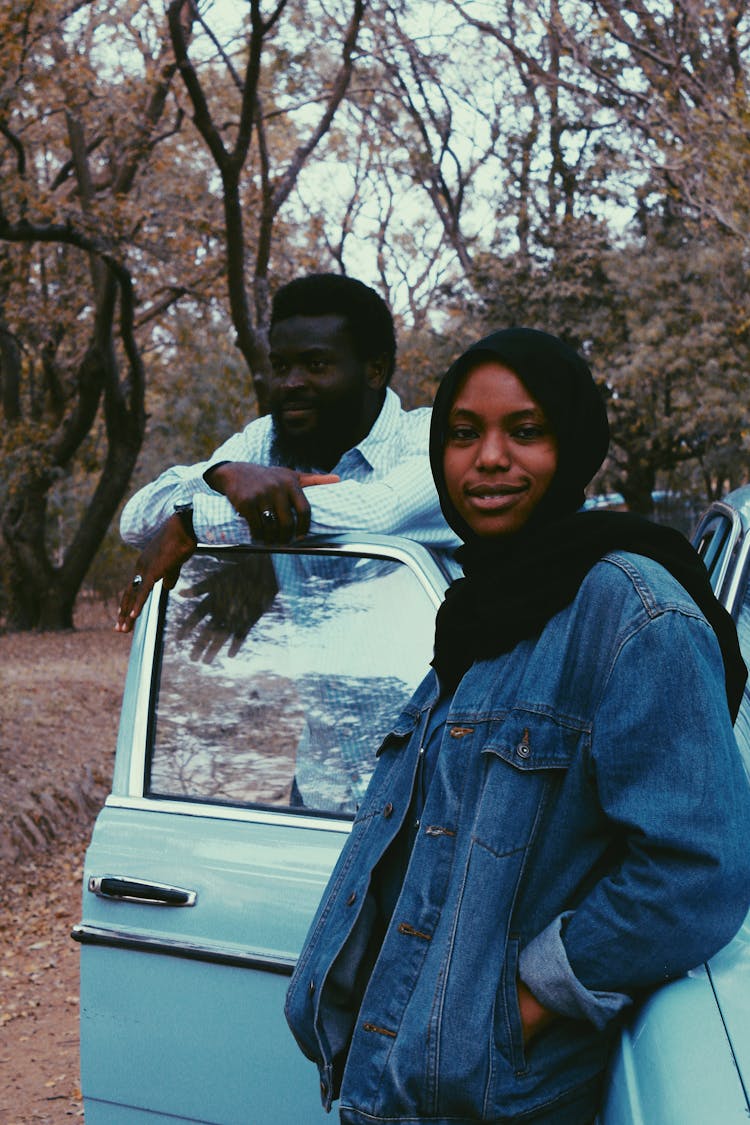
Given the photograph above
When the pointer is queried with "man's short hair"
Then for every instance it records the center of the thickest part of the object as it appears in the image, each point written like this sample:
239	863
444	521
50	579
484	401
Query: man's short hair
331	294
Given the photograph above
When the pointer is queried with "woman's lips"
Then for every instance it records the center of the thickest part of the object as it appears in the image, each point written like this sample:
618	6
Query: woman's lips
489	498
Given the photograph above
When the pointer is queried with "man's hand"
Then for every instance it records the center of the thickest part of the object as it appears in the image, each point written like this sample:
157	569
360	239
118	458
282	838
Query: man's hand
162	557
269	498
534	1016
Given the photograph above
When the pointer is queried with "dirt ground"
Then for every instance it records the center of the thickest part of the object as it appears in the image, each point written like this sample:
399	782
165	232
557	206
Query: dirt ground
60	697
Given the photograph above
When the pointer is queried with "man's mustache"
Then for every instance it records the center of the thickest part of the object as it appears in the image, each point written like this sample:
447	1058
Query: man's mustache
295	399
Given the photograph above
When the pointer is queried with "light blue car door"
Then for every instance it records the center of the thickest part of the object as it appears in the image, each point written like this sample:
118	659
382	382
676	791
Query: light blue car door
257	694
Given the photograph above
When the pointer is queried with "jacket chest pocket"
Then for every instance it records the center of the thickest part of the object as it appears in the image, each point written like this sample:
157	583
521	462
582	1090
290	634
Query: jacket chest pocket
525	761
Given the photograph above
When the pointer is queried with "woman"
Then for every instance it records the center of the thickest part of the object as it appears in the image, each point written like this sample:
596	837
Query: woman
558	820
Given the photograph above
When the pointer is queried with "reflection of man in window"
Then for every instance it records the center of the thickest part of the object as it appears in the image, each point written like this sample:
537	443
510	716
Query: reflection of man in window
336	453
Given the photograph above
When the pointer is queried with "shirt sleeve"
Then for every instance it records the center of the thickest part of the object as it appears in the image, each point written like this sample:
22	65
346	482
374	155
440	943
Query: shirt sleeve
670	780
152	505
403	502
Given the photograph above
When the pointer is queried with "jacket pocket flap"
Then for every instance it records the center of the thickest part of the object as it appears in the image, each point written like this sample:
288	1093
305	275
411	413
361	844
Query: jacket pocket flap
401	729
531	740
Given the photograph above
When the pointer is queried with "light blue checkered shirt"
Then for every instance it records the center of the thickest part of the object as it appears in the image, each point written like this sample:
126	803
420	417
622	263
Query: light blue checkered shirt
386	486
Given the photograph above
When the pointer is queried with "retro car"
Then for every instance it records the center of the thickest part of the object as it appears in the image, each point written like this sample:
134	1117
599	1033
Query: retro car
255	694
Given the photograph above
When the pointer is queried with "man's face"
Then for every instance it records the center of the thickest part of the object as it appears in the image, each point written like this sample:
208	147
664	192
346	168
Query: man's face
323	397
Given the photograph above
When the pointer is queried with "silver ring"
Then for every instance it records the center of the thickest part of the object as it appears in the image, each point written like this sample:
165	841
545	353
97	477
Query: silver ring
269	515
137	581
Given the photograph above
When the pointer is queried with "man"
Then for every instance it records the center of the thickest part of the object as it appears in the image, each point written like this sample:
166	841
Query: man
336	453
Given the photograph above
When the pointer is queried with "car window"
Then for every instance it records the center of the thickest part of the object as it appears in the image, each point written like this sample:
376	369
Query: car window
711	541
280	674
742	724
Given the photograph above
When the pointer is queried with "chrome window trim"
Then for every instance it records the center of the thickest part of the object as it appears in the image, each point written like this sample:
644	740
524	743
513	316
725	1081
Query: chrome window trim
111	937
736	584
139	736
414	555
735	531
282	818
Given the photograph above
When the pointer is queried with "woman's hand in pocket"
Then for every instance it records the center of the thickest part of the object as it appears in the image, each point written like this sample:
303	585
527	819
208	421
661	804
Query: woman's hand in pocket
534	1016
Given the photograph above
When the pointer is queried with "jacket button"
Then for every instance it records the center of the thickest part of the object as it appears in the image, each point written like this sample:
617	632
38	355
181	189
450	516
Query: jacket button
523	750
387	810
352	899
311	987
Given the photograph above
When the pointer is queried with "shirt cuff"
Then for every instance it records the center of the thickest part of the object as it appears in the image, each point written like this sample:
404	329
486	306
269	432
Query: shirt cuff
545	969
215	520
187	489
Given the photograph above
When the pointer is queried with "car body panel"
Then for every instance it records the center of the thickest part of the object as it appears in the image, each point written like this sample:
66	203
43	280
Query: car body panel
210	978
673	1065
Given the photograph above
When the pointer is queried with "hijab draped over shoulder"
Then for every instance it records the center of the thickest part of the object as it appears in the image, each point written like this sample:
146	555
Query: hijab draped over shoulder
515	584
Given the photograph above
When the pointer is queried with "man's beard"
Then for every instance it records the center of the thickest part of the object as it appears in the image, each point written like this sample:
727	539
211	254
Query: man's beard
319	449
292	453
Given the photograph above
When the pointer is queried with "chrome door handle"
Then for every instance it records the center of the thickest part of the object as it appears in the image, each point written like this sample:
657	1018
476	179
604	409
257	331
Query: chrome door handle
125	889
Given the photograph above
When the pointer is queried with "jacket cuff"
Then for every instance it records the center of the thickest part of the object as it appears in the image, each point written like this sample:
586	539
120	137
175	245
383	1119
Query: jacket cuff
545	969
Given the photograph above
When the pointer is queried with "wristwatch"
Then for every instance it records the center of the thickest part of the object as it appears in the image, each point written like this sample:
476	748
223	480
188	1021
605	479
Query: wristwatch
185	512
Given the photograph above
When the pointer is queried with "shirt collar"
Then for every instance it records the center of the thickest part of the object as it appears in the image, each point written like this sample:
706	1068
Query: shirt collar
376	447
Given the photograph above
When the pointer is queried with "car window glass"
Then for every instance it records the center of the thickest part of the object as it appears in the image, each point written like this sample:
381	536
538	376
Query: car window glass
711	541
742	724
280	674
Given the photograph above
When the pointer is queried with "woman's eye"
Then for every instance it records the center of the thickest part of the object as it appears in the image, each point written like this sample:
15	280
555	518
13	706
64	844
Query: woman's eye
529	433
461	433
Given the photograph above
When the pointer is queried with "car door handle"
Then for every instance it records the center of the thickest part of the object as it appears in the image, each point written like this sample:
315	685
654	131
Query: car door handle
126	889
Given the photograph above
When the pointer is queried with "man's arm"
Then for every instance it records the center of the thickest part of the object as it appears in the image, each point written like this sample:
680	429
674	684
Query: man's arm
150	508
254	489
403	502
271	500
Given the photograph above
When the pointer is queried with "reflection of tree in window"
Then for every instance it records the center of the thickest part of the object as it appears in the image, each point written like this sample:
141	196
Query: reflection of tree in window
301	677
217	743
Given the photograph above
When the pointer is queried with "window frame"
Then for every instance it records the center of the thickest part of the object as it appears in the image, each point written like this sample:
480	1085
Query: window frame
131	765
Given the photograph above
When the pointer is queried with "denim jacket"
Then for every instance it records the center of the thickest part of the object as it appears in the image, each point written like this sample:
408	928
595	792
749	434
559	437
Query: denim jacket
586	829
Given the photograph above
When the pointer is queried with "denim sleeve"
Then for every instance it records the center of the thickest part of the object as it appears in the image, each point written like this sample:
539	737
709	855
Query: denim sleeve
544	968
671	783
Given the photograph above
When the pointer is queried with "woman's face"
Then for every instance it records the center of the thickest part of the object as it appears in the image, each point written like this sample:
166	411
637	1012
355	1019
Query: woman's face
500	454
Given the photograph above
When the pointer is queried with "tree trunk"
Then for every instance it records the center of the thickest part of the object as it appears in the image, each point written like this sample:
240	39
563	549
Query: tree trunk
637	485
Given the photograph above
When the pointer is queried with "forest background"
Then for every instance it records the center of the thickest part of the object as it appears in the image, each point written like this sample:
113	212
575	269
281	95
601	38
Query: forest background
576	165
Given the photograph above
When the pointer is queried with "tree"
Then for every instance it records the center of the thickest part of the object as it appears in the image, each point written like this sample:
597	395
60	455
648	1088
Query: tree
103	236
71	358
609	113
259	107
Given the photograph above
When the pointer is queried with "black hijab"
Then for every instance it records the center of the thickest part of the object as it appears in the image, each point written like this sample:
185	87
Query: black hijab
514	585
